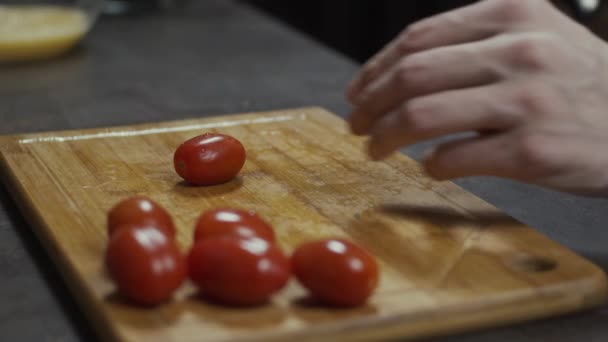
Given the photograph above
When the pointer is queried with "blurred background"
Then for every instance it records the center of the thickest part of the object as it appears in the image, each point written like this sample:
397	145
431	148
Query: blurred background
360	28
355	28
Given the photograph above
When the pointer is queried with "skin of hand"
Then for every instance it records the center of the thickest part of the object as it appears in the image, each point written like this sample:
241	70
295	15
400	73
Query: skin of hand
531	84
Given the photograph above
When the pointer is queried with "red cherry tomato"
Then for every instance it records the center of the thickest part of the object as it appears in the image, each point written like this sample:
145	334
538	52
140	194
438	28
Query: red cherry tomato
232	222
236	271
336	272
209	159
142	211
146	265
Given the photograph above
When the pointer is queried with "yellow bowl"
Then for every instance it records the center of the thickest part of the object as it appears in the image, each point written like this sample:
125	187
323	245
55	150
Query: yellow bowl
32	32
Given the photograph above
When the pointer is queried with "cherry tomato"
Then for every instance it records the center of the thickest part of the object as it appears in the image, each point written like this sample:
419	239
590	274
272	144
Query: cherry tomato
146	265
336	272
232	222
140	210
236	271
209	159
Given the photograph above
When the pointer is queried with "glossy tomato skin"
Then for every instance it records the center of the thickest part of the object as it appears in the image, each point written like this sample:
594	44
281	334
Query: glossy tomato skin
209	159
236	271
336	272
142	211
146	265
232	222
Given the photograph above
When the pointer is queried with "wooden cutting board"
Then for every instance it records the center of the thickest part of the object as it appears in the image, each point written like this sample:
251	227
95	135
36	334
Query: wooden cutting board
450	261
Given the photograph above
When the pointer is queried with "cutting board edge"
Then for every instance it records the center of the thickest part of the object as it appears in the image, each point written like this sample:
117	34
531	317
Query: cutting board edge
13	138
562	302
76	285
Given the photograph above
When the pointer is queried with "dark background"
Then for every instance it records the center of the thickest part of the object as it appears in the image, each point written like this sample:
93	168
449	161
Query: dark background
359	28
356	28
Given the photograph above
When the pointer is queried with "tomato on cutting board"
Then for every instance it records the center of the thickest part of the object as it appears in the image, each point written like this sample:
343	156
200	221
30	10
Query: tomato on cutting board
232	222
209	159
236	271
145	264
336	272
143	211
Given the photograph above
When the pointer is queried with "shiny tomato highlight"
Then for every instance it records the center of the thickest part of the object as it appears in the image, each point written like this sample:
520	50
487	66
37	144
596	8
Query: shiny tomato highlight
232	222
145	264
236	271
141	211
209	159
336	272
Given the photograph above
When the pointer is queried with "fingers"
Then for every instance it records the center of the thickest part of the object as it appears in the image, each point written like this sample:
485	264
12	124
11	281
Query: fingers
472	109
467	24
531	155
429	72
454	67
377	65
493	155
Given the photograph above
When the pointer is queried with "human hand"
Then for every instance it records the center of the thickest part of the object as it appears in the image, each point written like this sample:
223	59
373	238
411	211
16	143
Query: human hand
530	81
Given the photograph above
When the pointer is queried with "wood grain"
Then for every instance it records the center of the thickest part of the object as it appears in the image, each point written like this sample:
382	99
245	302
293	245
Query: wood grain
450	261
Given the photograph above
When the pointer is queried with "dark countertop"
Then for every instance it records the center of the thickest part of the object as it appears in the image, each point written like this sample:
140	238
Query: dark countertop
219	57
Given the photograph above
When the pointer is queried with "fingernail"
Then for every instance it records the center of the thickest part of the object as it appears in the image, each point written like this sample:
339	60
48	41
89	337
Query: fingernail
351	93
355	130
427	164
428	154
375	151
355	124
